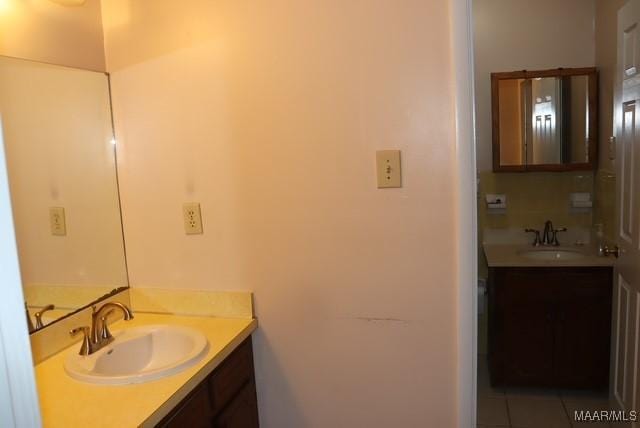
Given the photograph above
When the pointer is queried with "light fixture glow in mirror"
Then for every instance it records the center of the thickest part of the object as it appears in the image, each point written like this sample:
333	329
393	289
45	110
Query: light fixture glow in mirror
64	191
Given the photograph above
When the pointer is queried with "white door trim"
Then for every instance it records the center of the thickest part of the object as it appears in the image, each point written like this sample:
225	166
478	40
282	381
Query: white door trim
18	394
467	255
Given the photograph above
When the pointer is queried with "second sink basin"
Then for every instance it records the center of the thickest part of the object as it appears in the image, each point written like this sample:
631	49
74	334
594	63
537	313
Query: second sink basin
552	254
140	354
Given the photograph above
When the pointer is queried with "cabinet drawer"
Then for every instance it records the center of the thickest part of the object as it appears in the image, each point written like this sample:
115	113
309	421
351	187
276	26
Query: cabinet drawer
231	376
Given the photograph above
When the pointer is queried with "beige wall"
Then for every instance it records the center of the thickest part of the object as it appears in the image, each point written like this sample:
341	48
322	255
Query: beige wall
41	30
57	133
514	35
269	115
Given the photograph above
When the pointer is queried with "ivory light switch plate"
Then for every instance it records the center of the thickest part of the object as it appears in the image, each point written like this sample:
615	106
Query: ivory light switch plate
57	221
388	168
192	218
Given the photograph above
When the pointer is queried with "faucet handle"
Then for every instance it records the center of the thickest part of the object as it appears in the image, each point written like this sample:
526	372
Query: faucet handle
555	235
38	315
536	240
85	349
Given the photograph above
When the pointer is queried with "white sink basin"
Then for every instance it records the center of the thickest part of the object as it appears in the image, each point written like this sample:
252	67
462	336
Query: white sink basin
140	354
552	254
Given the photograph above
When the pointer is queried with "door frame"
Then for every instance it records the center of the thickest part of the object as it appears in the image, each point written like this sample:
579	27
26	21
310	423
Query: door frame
467	224
18	394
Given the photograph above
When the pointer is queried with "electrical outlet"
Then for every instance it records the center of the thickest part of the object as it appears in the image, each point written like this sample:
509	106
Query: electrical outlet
388	169
57	221
192	218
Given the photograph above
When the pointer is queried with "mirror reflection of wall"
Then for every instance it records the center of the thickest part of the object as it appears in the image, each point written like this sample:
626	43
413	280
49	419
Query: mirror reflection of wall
61	162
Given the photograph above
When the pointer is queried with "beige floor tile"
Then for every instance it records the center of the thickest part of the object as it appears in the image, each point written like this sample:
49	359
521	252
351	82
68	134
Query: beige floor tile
576	395
526	412
492	411
532	393
621	425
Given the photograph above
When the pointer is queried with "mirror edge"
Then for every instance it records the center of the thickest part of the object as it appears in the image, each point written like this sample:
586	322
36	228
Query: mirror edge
88	305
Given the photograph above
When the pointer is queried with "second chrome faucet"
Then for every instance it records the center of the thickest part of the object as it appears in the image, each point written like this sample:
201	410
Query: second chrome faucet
98	335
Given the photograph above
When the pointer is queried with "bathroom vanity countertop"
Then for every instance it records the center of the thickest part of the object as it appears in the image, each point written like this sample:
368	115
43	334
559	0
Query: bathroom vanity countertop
65	402
511	256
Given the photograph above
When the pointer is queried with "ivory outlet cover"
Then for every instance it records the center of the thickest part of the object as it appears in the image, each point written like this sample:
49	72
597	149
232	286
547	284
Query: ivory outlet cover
192	218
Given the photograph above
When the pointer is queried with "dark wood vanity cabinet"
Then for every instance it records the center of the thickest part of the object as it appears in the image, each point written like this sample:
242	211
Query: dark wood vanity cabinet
225	399
550	327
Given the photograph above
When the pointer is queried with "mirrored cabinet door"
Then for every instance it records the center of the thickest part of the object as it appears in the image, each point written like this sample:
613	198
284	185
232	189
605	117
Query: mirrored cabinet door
544	120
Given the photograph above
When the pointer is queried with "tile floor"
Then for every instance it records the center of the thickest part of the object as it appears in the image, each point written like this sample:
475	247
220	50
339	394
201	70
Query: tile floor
530	408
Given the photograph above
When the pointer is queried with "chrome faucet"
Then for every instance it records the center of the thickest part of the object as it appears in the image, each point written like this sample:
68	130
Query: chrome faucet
549	235
99	336
38	315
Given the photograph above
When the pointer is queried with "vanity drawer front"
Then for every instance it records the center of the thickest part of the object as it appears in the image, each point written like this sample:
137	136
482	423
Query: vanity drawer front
231	376
194	411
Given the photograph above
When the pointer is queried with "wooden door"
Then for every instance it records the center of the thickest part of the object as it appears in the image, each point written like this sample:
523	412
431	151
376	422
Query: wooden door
626	303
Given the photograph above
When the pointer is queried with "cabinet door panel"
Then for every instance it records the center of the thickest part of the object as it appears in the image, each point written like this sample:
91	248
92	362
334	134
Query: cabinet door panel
231	387
242	412
582	344
193	412
583	331
231	376
523	347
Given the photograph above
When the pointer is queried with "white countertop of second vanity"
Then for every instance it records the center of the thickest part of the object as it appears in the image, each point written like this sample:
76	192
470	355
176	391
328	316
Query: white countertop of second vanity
500	255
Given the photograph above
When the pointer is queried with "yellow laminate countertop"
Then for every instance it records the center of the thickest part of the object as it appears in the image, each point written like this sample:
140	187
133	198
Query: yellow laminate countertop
65	402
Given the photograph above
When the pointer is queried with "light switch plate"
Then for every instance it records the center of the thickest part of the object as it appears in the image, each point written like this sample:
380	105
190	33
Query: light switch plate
57	221
389	172
192	218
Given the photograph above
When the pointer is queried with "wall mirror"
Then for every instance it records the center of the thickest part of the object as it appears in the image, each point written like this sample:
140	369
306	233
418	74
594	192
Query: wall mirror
545	120
61	160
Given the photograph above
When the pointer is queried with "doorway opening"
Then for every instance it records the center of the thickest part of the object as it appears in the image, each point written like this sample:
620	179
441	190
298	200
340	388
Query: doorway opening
557	326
